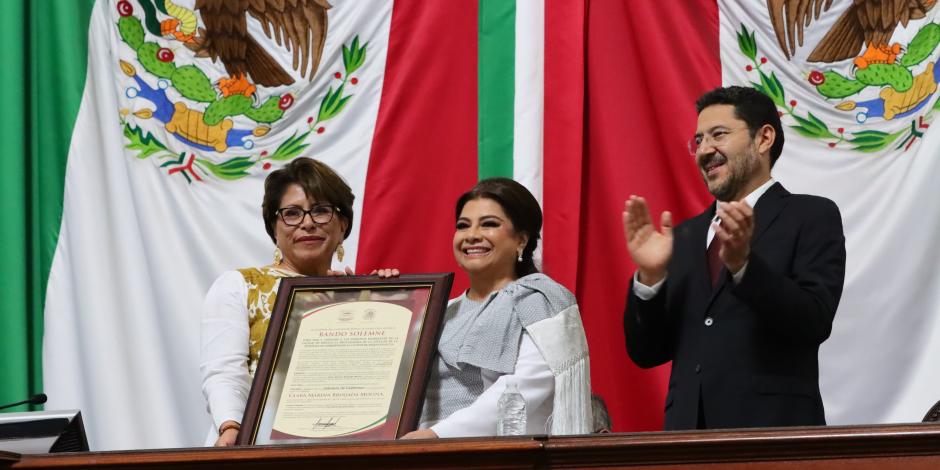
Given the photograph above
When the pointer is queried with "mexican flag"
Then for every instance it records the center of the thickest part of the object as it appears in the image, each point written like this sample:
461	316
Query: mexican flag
142	180
410	101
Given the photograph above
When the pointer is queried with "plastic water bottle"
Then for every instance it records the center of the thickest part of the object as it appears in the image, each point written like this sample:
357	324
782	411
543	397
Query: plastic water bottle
510	420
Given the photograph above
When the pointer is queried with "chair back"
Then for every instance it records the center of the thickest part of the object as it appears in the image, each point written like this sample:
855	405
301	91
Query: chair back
933	415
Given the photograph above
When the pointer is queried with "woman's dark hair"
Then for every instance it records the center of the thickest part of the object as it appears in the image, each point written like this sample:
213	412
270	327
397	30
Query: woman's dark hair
521	208
318	181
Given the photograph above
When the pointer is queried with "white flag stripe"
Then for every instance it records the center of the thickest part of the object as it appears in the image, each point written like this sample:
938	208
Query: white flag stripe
529	95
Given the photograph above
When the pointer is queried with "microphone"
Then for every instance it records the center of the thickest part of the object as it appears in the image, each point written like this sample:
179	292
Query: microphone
36	399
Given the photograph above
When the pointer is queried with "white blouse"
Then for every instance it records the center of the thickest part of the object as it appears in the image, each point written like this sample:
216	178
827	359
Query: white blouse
536	383
224	350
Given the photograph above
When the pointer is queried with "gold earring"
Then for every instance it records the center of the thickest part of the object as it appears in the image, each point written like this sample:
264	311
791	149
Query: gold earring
278	257
340	252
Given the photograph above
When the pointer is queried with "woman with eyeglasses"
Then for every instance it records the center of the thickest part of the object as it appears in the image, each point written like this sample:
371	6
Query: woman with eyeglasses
307	211
513	325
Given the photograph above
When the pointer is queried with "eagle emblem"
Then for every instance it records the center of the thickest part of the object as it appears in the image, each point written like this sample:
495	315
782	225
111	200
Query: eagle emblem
298	25
866	23
875	67
175	50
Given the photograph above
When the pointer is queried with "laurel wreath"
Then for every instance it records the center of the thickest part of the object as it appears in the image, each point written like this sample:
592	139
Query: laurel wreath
811	126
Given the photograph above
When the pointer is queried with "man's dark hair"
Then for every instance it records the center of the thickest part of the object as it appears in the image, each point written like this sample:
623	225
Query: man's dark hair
751	106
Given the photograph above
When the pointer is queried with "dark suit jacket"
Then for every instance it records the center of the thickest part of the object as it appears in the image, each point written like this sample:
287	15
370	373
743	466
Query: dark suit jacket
746	352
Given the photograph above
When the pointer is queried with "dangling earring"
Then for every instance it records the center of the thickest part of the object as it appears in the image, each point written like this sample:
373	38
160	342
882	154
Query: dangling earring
278	257
340	252
519	259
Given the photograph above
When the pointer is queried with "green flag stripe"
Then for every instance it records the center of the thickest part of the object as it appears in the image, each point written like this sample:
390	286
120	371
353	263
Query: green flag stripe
496	87
43	80
14	322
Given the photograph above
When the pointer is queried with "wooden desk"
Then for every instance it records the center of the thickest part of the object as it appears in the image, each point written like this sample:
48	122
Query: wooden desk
521	452
908	446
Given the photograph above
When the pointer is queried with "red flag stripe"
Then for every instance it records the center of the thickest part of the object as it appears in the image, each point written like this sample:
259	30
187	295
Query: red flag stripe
647	62
424	153
563	141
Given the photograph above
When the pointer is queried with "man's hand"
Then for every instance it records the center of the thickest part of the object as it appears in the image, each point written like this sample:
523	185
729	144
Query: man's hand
650	250
735	232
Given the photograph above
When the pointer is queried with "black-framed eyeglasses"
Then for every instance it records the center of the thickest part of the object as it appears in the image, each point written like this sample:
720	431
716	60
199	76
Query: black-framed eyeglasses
319	214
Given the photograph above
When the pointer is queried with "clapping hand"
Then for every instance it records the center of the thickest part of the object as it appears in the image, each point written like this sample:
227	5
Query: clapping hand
735	232
649	248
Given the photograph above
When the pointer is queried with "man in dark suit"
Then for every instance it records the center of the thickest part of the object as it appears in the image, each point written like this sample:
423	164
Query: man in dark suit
740	297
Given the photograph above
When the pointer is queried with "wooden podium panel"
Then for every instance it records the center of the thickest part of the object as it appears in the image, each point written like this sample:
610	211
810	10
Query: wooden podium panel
906	446
518	452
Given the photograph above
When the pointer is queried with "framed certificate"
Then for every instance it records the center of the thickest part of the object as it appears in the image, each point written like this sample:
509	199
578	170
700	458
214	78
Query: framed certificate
345	359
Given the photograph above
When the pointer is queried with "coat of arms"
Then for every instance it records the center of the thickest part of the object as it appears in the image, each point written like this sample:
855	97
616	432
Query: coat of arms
204	77
858	68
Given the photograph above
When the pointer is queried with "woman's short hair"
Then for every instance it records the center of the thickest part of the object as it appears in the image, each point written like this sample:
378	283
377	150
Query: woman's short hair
318	181
521	208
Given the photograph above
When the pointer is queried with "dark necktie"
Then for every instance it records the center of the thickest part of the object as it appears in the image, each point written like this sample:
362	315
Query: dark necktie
714	261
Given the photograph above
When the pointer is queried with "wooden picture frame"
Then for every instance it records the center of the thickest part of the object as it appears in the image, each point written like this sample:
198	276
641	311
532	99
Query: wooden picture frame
345	359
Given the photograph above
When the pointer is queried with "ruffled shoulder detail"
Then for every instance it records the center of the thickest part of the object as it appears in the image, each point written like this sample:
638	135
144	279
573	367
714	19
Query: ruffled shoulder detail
537	297
489	335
